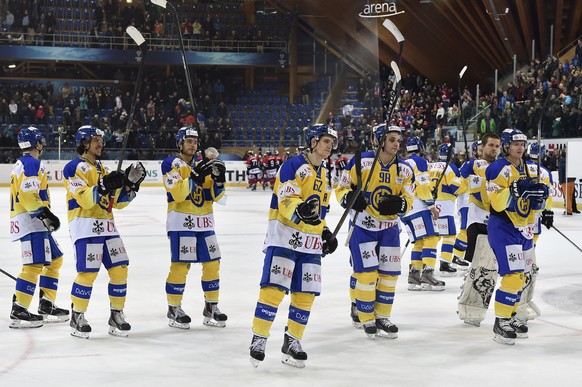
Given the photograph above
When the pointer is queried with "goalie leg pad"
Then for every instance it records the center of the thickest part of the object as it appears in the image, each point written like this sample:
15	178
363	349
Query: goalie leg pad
479	284
527	309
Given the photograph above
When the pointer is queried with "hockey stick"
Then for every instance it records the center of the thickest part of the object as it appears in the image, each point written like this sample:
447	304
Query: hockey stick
540	134
391	106
436	187
568	239
461	110
405	247
8	274
137	37
390	26
166	4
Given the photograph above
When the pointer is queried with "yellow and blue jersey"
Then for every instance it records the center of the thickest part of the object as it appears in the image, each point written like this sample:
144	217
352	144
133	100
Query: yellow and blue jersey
297	181
29	193
474	173
90	212
394	178
500	174
189	204
421	184
450	185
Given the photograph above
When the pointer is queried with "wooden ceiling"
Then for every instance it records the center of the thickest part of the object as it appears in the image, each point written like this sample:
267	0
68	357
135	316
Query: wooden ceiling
442	36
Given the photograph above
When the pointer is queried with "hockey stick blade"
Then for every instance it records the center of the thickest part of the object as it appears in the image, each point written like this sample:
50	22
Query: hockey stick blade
390	26
396	70
135	35
160	3
462	72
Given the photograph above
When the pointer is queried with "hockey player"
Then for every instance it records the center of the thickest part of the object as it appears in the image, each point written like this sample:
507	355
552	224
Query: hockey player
516	196
445	194
254	171
480	280
270	169
191	190
297	237
32	223
527	309
375	241
460	245
420	223
92	192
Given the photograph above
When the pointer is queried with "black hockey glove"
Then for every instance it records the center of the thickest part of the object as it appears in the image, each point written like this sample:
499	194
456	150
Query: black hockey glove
360	203
308	212
218	171
134	175
50	220
548	218
201	170
391	205
524	188
110	182
329	241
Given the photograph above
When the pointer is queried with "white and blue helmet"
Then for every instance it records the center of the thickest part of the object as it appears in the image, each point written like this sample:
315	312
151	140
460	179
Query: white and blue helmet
29	137
318	130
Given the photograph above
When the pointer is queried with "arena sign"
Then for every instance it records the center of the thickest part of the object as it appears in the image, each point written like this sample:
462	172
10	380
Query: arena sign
380	10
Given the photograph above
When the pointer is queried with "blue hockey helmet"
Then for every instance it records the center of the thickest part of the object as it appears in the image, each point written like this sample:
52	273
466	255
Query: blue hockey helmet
534	151
414	144
29	137
443	151
379	131
87	132
185	132
318	130
475	145
510	135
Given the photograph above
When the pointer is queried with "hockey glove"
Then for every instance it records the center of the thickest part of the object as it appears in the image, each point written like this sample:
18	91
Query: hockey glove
360	202
218	171
201	170
307	212
110	182
391	205
548	218
329	241
525	189
134	175
50	220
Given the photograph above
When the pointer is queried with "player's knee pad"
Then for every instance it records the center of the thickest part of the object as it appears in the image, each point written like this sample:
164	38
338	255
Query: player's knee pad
118	274
55	265
367	278
431	242
387	282
210	270
178	272
302	300
512	283
31	271
86	279
271	295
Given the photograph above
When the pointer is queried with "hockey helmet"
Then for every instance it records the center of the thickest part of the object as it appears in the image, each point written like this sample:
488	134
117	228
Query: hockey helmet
414	144
87	132
379	131
534	151
318	130
184	133
443	151
510	135
29	137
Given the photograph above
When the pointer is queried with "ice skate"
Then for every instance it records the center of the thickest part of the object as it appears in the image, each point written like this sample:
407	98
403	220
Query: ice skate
257	350
386	328
354	315
504	332
177	318
519	327
50	312
293	354
460	264
79	326
117	324
20	317
370	329
414	282
447	270
429	283
213	317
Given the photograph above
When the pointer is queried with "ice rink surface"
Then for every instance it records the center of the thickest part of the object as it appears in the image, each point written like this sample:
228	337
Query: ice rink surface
434	347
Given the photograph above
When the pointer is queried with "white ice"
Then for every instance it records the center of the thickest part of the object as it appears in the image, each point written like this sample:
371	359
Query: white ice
434	347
